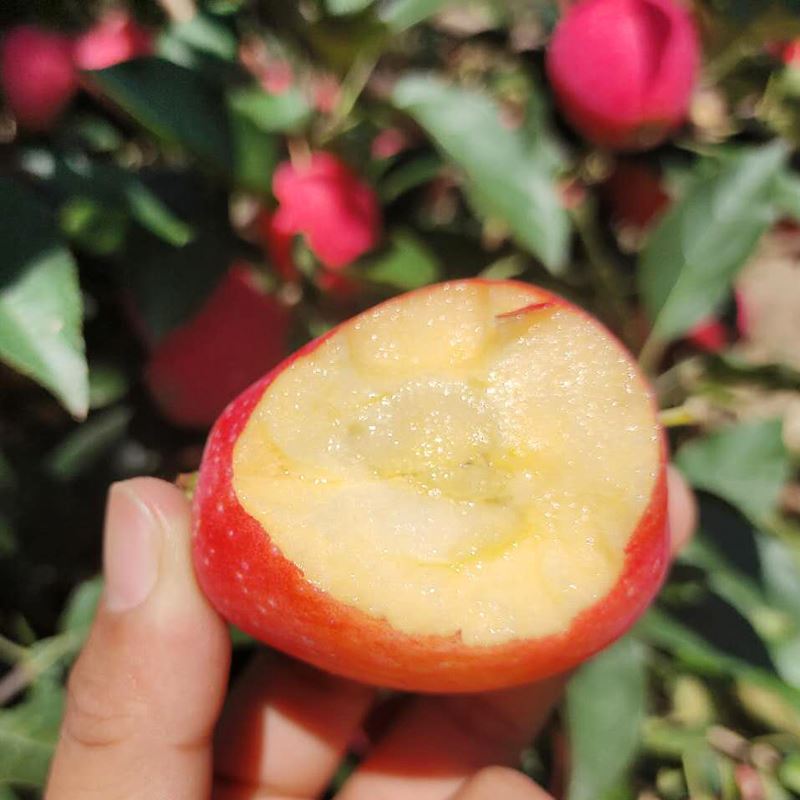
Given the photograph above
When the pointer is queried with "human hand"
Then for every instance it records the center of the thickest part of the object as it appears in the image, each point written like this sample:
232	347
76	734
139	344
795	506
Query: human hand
146	696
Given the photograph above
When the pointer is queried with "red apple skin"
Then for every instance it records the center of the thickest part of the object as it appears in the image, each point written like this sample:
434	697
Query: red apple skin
115	38
251	584
240	332
38	75
623	71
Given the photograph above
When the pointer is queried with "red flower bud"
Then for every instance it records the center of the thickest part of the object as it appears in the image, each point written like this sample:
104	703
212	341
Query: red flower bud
623	70
238	335
635	194
117	37
38	75
324	200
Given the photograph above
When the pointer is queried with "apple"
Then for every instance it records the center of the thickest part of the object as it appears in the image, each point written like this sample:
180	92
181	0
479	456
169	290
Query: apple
324	200
713	334
115	38
460	489
623	71
636	195
38	75
239	333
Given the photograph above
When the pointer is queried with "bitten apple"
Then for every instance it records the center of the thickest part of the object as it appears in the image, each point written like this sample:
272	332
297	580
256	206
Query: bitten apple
461	489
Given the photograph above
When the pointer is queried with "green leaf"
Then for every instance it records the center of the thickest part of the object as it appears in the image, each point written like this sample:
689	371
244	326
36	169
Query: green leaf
505	178
273	113
40	302
407	265
339	7
787	195
409	176
88	443
400	15
767	595
605	710
175	103
28	733
693	255
95	194
170	284
746	465
696	653
94	226
107	384
255	153
206	34
179	105
148	210
81	606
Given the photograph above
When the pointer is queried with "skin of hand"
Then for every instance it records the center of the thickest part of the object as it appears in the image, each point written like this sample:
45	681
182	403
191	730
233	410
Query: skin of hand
147	716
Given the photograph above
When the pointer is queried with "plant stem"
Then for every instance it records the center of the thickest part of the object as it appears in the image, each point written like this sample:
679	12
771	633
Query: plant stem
607	278
11	652
352	87
178	10
651	354
38	661
677	417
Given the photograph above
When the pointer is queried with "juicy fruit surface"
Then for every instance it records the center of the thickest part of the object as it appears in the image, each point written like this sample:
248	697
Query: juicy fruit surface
458	462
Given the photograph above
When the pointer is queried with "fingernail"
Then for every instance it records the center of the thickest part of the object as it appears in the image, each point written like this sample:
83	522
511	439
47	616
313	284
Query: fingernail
130	551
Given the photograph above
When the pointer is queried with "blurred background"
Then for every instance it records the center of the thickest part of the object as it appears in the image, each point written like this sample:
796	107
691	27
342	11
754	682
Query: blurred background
191	189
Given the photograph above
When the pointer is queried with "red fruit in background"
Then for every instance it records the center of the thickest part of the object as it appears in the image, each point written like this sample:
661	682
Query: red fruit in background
714	335
323	199
389	143
709	335
623	70
117	37
790	54
326	92
38	75
635	194
240	333
278	246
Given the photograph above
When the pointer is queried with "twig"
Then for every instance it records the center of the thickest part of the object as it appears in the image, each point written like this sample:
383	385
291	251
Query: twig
352	86
678	417
39	661
11	652
607	278
179	10
651	354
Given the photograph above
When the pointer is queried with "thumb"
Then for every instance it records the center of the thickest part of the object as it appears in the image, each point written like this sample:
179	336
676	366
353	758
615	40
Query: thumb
145	692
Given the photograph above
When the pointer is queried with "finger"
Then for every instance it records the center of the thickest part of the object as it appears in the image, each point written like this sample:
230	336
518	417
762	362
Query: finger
682	509
500	782
286	728
146	690
440	741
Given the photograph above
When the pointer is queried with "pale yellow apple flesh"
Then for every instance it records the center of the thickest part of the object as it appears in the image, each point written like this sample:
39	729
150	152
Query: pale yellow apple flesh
452	470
